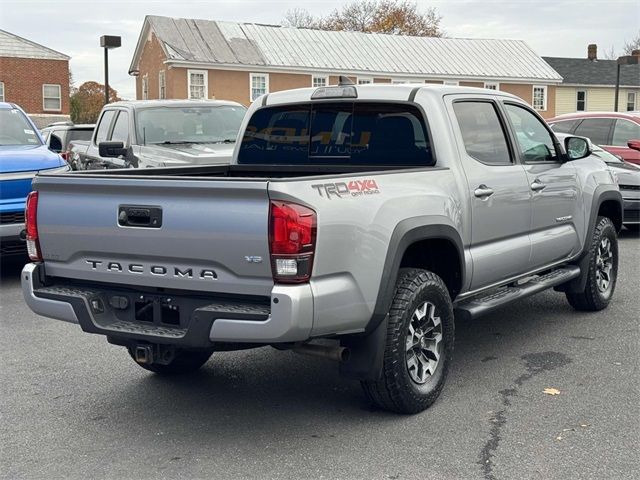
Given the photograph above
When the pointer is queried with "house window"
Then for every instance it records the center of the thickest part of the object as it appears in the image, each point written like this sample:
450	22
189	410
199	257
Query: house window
319	81
581	100
51	97
399	81
145	87
451	83
162	86
259	85
198	84
365	80
540	97
492	85
1	91
631	101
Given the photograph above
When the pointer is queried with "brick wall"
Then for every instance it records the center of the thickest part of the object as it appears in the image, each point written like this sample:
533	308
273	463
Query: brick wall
23	79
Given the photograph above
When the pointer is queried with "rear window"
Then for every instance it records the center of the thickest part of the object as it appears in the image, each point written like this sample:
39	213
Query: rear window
341	133
79	134
564	126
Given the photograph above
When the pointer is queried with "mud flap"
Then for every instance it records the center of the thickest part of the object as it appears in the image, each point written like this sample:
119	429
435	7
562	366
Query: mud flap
366	354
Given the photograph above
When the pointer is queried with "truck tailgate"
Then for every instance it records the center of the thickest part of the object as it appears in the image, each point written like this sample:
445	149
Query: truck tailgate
213	235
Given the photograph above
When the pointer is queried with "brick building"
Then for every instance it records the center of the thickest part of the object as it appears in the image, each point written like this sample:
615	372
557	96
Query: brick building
34	77
185	58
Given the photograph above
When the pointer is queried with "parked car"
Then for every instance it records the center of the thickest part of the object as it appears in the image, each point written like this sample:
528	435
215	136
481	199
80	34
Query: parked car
157	133
59	135
368	216
613	131
23	153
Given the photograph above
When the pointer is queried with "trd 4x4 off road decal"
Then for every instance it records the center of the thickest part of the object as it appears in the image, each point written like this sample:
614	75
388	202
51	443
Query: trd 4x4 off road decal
354	188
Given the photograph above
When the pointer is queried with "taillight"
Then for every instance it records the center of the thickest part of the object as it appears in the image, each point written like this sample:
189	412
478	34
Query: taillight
65	155
31	226
292	235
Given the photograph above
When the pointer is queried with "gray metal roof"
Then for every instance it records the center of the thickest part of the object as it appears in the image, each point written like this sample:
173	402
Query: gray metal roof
249	44
582	71
14	46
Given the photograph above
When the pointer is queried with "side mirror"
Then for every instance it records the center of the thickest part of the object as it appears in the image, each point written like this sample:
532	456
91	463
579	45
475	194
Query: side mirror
577	148
634	144
111	149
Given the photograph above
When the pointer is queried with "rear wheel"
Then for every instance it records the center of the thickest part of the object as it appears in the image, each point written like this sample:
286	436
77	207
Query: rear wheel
419	344
603	269
184	361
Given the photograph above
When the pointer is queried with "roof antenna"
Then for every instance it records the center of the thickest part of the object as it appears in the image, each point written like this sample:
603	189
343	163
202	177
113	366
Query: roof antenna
344	80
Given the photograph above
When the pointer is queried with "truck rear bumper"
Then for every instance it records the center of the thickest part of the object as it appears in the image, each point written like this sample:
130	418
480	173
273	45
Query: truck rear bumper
197	322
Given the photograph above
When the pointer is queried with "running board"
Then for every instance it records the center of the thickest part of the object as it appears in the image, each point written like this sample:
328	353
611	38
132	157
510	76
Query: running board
480	305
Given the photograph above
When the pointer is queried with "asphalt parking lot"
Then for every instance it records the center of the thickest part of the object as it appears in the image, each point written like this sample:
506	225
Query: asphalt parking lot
73	406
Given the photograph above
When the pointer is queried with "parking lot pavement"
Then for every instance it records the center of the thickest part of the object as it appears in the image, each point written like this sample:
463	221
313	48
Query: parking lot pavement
74	406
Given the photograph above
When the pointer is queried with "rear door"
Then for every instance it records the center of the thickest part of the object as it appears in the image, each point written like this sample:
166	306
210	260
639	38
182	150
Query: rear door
555	191
499	193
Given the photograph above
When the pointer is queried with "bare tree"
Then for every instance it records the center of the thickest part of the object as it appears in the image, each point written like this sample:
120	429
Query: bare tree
299	18
397	17
609	54
631	45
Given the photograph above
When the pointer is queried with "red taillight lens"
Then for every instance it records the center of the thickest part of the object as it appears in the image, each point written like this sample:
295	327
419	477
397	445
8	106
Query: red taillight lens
65	155
31	226
292	231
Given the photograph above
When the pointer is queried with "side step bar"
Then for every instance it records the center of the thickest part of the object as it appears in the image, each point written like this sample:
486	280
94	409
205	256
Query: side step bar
485	303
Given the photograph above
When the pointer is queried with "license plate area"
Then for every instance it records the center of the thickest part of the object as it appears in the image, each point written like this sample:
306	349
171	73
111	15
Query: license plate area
158	310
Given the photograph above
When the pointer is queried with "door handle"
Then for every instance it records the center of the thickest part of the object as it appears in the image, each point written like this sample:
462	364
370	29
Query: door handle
537	185
483	191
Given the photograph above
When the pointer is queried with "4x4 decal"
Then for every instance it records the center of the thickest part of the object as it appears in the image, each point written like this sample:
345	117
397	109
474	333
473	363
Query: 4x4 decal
354	188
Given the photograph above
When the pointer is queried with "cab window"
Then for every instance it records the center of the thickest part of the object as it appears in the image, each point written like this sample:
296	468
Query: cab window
534	141
482	132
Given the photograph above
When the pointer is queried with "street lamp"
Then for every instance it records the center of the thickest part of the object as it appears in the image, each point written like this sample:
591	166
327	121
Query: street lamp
624	60
107	42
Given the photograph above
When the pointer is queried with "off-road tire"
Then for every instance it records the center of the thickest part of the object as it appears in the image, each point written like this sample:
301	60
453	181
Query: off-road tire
184	361
591	299
396	390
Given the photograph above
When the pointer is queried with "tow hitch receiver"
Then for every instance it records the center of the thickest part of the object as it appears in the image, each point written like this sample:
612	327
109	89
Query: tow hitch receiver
147	354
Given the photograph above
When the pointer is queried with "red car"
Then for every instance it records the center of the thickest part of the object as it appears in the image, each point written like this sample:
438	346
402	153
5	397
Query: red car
613	131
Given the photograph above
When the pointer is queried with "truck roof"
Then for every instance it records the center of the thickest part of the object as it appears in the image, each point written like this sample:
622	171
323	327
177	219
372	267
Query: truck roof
138	104
399	92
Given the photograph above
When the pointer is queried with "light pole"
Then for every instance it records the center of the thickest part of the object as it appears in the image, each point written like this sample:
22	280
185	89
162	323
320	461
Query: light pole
107	42
624	60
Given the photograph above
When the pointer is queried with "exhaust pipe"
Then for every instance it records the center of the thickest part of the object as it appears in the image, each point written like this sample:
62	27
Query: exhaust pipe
339	354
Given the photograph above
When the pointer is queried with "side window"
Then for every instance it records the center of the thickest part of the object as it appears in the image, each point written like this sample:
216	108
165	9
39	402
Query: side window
121	128
55	142
482	133
103	127
596	129
535	143
625	131
564	126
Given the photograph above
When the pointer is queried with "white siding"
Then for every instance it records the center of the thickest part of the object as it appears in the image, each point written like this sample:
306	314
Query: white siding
565	100
599	99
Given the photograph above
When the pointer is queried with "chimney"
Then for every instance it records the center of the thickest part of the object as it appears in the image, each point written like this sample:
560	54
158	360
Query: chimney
592	52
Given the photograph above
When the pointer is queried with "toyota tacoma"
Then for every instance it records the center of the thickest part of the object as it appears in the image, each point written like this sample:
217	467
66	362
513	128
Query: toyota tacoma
354	223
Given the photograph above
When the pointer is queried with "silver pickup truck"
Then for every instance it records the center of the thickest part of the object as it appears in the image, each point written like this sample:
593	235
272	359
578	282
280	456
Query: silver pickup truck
354	223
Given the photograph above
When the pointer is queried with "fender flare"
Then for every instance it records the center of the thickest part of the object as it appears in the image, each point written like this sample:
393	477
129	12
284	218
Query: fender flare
601	194
366	350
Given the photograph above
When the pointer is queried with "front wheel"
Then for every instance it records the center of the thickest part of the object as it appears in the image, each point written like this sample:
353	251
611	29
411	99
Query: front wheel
603	269
184	361
419	344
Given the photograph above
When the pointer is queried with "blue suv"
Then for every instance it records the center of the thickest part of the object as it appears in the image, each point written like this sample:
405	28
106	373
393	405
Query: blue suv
23	153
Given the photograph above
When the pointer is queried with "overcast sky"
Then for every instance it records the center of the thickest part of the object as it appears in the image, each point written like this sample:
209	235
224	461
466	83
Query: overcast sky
561	28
